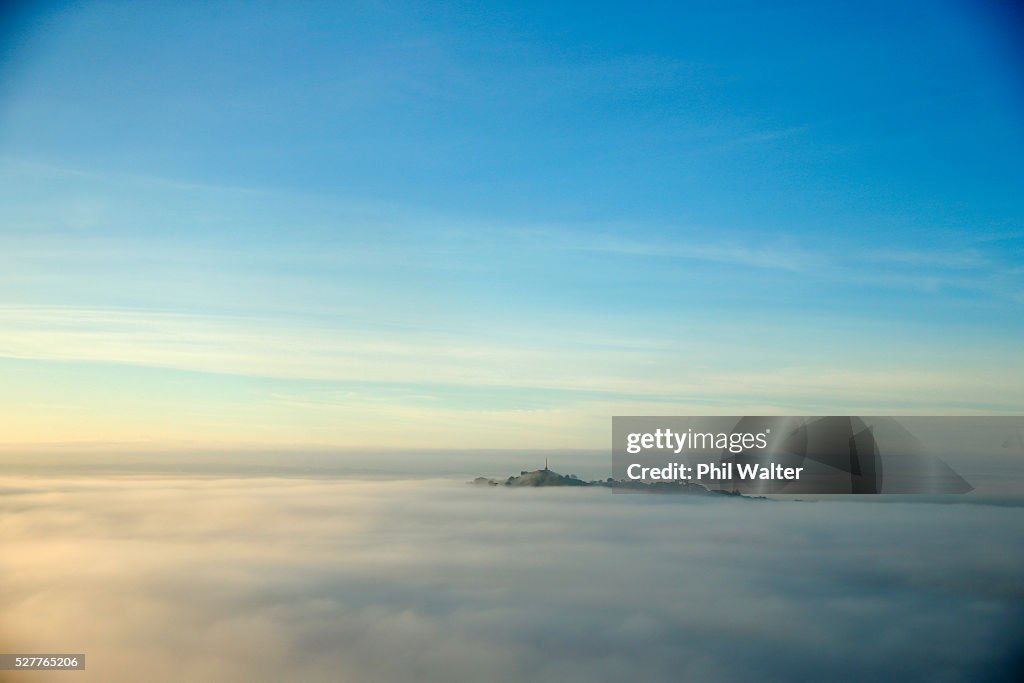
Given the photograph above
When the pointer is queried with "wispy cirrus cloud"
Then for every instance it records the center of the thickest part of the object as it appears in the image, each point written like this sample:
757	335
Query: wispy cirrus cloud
438	318
641	365
77	374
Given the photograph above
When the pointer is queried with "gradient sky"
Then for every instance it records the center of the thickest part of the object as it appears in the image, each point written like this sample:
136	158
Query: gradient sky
467	224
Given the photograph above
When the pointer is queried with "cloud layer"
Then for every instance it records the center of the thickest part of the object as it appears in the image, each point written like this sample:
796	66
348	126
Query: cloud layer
270	579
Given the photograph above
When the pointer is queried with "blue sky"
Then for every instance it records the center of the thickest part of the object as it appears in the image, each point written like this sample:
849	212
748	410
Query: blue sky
470	224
